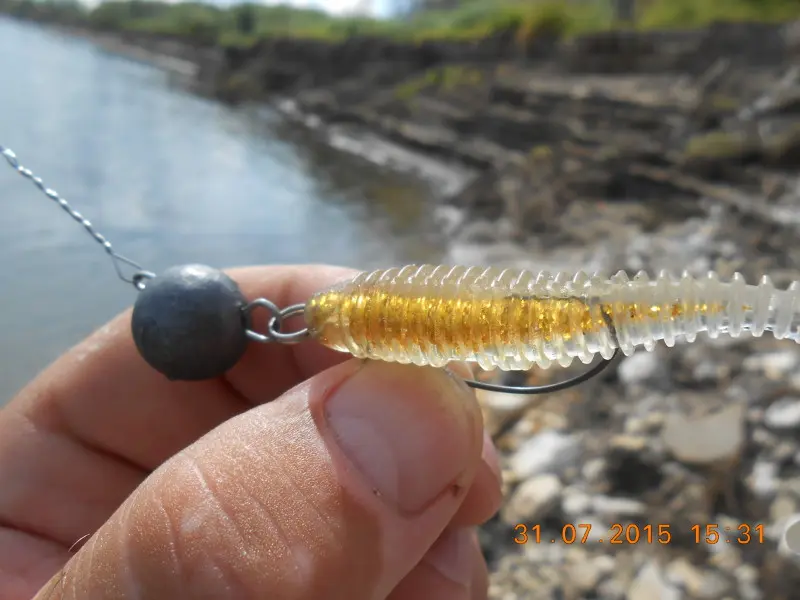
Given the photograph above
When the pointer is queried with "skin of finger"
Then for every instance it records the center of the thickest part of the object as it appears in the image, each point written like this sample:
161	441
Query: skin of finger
25	562
93	425
232	516
426	583
479	589
55	488
486	494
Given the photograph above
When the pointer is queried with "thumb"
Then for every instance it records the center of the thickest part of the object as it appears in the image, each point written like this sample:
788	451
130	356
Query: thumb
336	490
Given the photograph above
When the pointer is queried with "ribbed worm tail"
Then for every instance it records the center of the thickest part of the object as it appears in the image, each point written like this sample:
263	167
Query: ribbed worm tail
645	311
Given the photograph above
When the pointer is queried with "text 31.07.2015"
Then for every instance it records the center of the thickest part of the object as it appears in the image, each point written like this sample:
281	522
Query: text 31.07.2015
581	533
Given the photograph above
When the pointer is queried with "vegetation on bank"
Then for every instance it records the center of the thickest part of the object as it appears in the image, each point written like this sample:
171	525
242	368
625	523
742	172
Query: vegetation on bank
243	24
715	146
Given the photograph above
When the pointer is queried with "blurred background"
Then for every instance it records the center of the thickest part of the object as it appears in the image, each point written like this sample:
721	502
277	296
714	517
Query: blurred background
582	134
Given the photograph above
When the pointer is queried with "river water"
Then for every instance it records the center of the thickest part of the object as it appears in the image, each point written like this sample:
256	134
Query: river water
168	178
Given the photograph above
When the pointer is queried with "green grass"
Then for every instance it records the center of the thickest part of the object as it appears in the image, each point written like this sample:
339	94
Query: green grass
669	14
730	145
445	79
719	145
477	20
525	20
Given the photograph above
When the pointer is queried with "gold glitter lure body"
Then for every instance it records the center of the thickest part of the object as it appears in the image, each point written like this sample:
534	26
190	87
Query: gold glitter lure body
517	319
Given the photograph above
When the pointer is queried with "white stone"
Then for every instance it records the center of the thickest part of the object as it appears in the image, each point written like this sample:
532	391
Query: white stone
783	414
639	367
531	500
548	451
650	584
707	439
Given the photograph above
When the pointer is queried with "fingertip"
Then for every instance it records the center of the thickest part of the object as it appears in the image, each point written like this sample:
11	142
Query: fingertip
486	494
491	457
483	500
479	587
453	556
453	569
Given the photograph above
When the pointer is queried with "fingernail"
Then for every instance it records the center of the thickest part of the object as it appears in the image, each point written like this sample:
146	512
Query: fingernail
452	555
408	430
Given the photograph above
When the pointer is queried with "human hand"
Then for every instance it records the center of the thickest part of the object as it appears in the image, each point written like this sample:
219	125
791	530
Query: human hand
362	480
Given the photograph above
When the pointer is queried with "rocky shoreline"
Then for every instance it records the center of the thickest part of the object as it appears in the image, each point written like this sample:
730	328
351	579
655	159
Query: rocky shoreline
614	151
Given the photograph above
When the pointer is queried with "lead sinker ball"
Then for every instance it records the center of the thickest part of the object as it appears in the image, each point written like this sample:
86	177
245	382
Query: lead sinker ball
189	323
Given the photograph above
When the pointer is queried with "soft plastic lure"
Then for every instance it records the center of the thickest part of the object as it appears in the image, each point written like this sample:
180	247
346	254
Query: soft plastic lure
192	322
516	319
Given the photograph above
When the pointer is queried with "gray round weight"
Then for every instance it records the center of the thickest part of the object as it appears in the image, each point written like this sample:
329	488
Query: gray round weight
188	323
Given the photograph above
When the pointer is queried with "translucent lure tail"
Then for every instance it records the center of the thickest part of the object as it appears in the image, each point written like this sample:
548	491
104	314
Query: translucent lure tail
516	319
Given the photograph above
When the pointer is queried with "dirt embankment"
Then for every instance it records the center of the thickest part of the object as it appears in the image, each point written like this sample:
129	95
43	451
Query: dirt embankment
556	126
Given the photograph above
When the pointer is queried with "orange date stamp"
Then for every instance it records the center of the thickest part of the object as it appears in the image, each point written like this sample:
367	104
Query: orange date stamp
618	534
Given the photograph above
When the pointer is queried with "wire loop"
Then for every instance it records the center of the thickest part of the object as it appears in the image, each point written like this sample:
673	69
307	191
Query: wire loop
275	323
138	279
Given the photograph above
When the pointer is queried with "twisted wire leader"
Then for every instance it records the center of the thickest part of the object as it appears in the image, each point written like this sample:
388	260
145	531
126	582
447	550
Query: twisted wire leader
277	316
137	279
140	276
